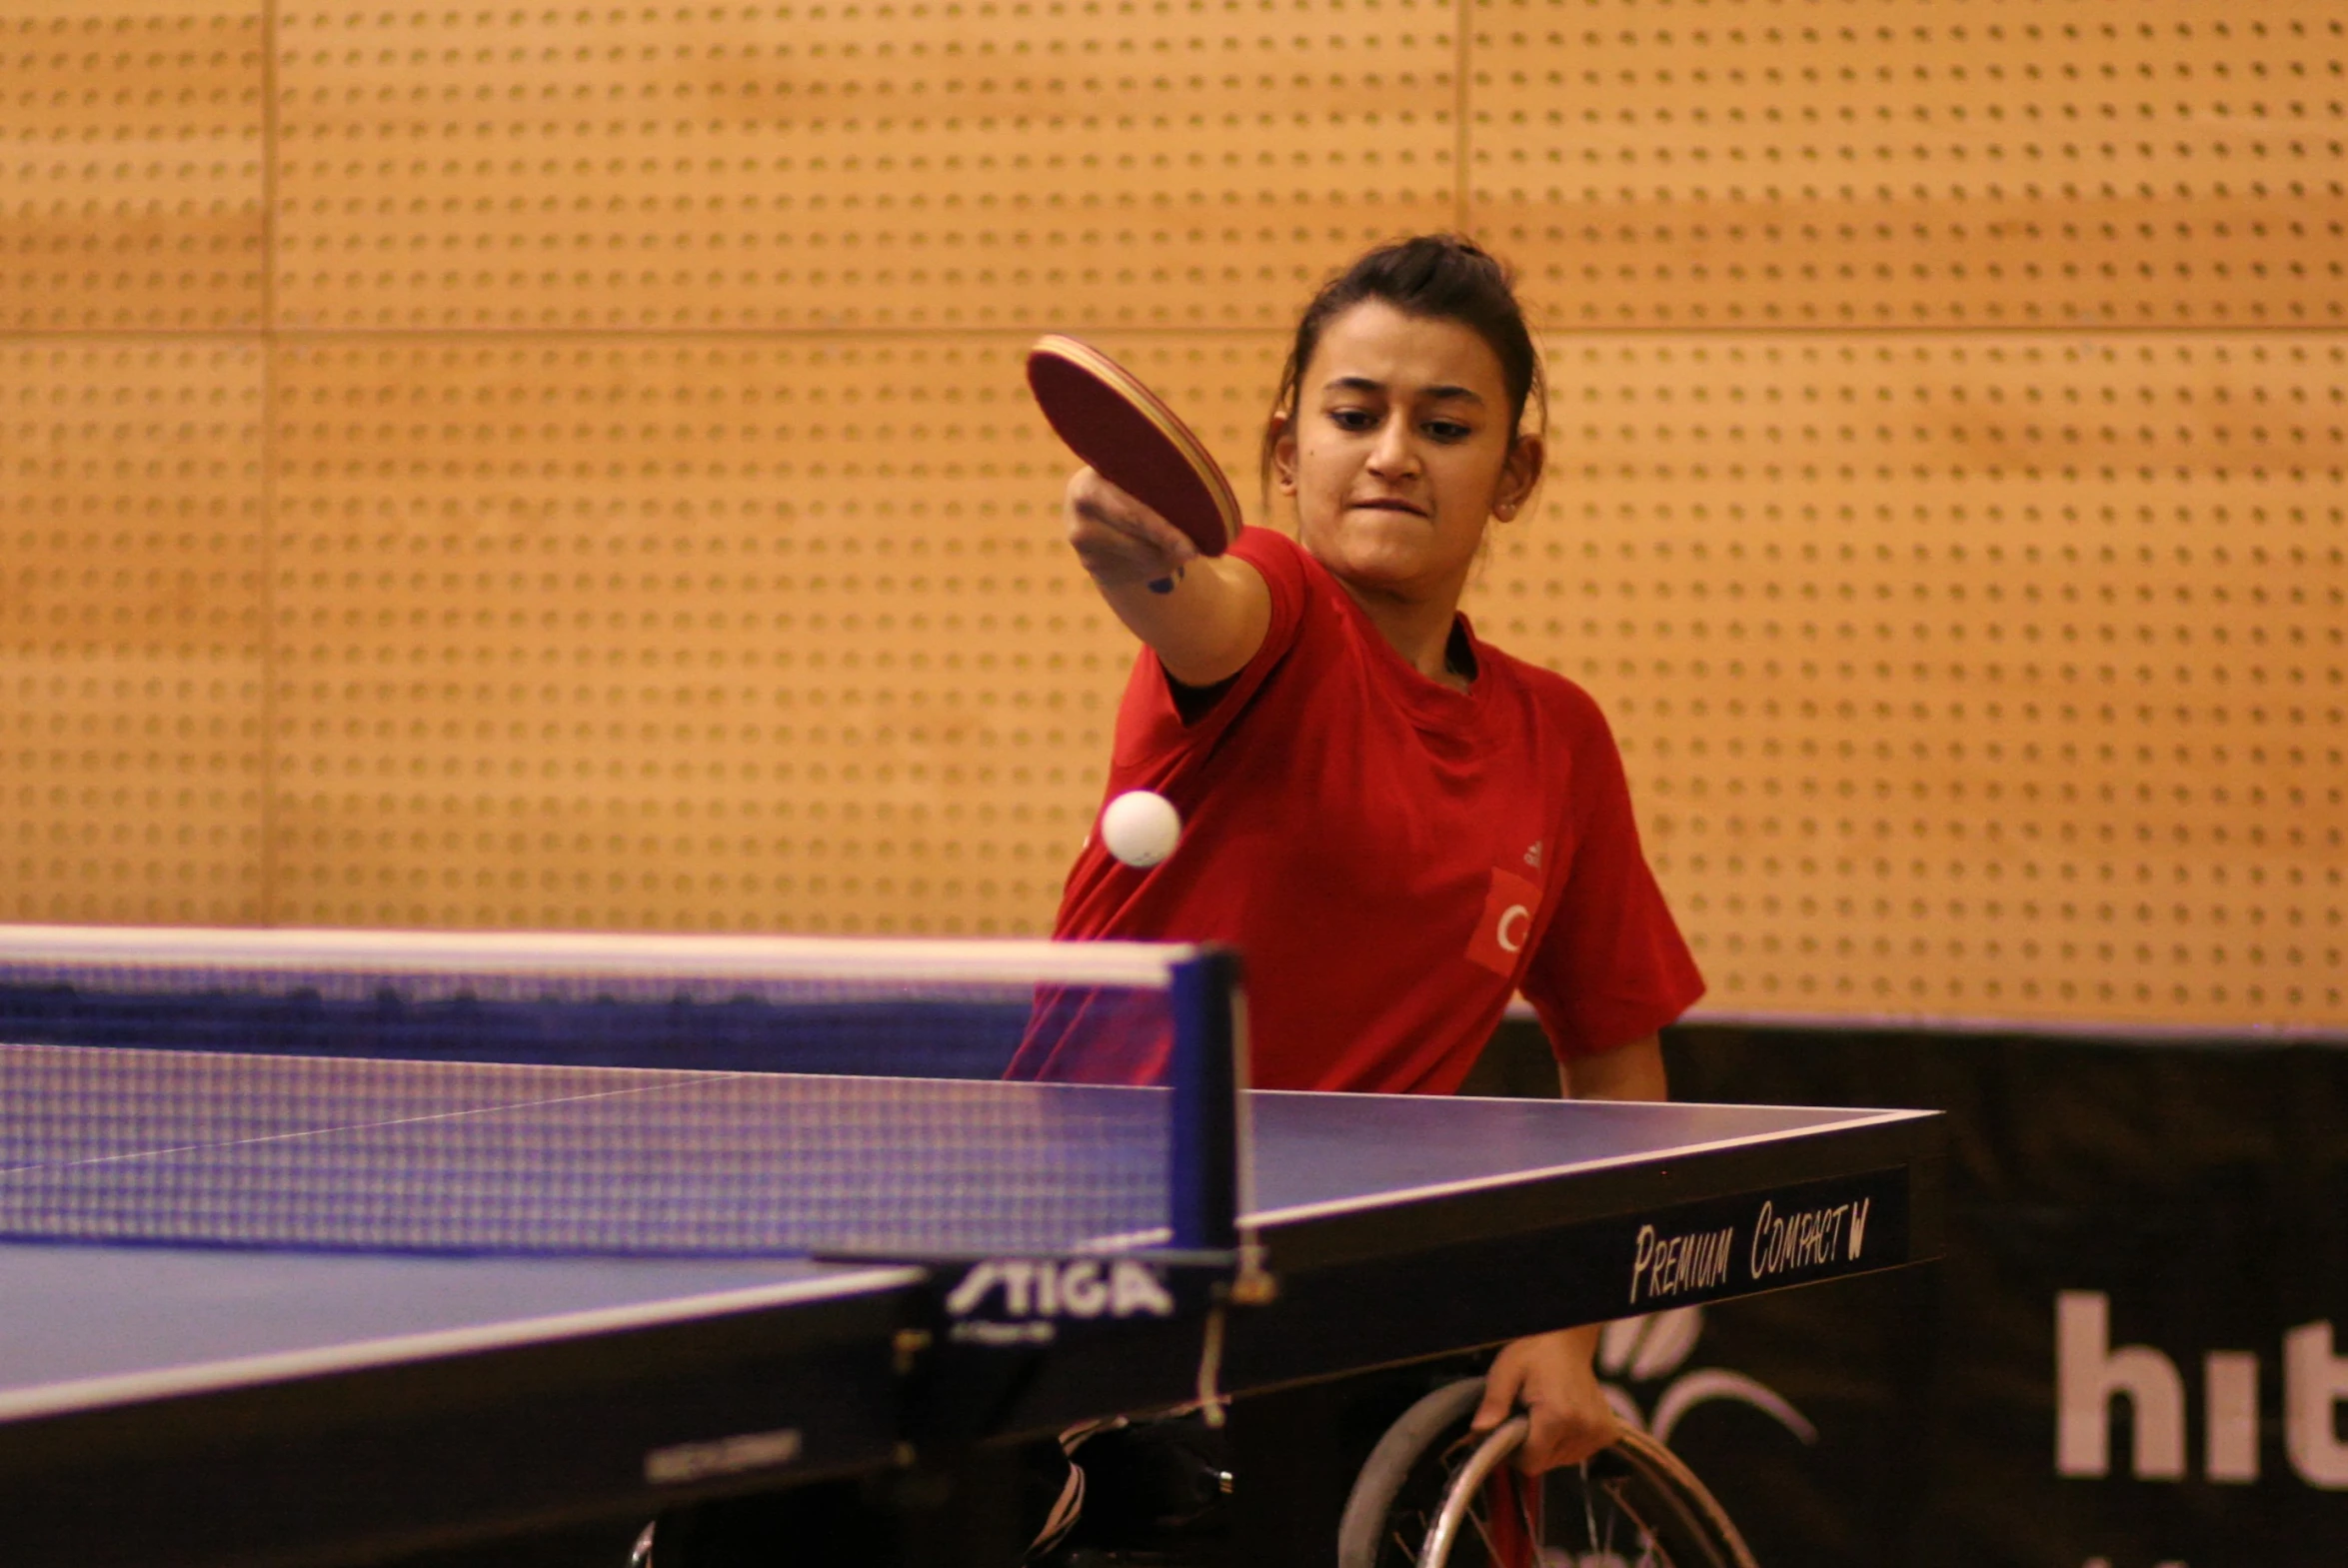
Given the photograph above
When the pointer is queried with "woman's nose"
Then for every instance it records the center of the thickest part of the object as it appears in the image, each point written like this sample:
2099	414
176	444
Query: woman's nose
1392	453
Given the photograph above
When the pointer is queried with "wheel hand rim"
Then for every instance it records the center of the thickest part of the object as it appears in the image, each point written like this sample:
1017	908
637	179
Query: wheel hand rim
1504	1440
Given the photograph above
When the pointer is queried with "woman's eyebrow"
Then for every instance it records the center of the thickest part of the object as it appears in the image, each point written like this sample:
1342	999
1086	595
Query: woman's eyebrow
1437	394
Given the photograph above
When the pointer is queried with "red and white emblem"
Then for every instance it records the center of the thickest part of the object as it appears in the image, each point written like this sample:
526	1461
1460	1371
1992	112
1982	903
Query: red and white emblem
1506	923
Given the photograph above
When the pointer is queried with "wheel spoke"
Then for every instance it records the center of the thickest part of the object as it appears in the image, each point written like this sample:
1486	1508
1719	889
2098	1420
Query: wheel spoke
1476	1516
1588	1519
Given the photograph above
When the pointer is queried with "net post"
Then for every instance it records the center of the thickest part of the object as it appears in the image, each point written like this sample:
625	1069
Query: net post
1206	1142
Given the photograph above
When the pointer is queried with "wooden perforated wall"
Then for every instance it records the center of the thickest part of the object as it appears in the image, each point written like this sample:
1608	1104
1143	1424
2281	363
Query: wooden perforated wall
568	466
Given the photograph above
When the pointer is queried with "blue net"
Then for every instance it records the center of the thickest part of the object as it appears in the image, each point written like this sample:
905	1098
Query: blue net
373	1095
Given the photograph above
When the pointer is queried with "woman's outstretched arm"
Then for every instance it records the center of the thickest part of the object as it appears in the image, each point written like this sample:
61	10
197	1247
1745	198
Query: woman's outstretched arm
1205	616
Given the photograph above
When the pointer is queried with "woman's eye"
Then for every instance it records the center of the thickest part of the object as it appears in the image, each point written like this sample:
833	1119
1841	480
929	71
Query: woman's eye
1447	430
1353	419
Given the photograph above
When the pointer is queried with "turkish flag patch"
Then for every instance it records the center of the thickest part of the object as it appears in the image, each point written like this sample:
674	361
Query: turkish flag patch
1507	922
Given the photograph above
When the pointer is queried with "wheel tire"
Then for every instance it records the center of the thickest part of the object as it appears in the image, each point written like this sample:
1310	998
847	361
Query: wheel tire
1361	1534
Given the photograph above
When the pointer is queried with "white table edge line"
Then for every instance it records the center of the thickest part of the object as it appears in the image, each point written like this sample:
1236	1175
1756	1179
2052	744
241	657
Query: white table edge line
359	1355
1331	1208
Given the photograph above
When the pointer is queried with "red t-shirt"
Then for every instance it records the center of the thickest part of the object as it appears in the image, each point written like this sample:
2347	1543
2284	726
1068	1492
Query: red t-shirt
1391	857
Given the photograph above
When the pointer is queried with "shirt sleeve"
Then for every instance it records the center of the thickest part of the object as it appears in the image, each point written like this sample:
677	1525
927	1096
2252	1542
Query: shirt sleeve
1152	725
1611	967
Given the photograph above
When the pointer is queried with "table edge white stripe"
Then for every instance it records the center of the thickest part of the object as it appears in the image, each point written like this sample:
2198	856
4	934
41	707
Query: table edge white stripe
199	1377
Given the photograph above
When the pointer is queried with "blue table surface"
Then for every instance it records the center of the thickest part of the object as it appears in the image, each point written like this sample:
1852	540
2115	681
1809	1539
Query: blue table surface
83	1324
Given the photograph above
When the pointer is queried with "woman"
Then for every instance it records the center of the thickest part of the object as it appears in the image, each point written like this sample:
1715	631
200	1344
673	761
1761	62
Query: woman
1397	823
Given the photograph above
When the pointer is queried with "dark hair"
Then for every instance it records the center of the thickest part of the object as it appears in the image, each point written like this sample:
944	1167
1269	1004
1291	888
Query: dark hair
1437	277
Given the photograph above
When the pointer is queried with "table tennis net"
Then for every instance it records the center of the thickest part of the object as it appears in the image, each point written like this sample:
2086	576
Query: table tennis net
772	1099
951	1010
107	1144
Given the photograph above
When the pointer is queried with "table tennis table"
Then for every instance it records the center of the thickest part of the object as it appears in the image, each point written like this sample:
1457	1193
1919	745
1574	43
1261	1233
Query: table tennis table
166	1404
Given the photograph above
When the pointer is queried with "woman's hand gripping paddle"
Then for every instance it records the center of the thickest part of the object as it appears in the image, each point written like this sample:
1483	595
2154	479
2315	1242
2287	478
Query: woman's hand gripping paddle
1128	436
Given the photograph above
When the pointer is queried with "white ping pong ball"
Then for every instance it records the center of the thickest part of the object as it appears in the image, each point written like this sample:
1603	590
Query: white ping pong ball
1140	828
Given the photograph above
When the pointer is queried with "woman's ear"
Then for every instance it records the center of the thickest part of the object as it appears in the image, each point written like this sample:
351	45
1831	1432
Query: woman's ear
1518	476
1284	454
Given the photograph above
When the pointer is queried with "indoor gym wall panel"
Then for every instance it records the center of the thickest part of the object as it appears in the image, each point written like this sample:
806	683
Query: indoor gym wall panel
948	164
1908	164
690	634
132	138
1964	673
1945	496
131	589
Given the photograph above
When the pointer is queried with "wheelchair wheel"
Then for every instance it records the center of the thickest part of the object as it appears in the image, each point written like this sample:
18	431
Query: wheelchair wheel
1434	1495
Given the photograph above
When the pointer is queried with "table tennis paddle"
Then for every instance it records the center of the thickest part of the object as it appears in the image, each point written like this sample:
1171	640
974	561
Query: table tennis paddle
1132	439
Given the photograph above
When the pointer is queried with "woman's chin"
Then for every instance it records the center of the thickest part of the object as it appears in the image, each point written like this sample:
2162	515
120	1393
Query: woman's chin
1379	571
1375	560
1376	548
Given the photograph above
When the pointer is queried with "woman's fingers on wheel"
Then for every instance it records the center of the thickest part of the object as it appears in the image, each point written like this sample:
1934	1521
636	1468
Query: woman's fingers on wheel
1501	1387
1560	1438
